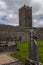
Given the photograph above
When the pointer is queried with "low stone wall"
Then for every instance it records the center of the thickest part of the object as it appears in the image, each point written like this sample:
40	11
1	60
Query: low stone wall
11	48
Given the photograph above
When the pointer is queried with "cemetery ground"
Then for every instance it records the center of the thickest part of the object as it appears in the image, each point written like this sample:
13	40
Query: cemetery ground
22	54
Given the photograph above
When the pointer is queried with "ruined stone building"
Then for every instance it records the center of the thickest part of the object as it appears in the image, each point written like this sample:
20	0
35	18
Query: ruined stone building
8	32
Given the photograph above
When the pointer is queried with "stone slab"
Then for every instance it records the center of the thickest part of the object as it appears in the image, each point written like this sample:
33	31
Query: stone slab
6	59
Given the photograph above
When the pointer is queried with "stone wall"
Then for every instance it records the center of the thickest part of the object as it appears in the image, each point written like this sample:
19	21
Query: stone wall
11	32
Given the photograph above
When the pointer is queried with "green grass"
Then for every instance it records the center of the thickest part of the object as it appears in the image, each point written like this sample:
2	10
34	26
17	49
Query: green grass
40	50
22	54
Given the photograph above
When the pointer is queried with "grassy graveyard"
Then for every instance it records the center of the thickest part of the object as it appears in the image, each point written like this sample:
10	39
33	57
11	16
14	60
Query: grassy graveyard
22	54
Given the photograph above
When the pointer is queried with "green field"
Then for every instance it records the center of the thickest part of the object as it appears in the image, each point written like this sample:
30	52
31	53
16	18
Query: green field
22	54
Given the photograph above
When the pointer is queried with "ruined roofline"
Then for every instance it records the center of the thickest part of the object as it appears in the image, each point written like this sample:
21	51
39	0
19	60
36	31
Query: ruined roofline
9	27
5	28
37	28
4	25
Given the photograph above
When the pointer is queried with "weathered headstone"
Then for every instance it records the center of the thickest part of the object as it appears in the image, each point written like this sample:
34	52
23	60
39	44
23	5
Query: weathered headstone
33	55
33	46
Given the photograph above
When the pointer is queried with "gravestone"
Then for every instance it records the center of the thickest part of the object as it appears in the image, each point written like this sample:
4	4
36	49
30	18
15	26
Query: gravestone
33	54
33	46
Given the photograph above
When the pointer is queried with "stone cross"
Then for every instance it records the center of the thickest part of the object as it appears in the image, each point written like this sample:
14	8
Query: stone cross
33	55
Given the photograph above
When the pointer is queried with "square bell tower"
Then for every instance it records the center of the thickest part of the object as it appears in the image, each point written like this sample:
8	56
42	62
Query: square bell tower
25	16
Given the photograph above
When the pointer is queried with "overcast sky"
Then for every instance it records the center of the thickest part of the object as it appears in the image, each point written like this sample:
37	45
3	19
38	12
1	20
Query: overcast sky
9	11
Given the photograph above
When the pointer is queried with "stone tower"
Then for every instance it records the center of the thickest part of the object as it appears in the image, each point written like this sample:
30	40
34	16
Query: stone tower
25	16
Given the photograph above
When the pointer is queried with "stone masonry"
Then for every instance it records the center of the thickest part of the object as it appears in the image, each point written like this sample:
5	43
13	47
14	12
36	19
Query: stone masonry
8	32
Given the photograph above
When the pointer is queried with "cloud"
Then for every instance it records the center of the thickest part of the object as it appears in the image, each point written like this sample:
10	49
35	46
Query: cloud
37	12
10	8
38	23
3	8
2	5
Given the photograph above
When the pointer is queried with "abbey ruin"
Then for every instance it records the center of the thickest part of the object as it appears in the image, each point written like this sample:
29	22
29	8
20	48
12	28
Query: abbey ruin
8	32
